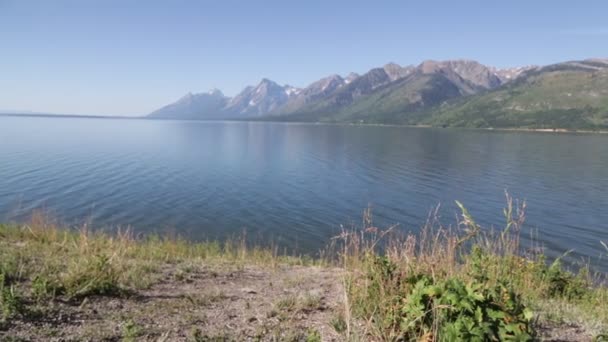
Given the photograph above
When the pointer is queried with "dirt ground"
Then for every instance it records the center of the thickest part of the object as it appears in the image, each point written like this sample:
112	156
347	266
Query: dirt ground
206	304
563	332
214	303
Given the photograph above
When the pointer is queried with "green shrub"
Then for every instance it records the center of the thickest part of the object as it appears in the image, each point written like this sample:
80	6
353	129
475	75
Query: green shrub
11	303
457	312
564	284
415	306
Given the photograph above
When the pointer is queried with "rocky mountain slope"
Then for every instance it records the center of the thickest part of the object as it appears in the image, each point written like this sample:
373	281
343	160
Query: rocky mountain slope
571	95
194	106
398	96
444	93
256	101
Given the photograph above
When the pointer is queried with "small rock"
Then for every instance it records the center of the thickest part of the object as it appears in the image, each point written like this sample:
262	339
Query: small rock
248	290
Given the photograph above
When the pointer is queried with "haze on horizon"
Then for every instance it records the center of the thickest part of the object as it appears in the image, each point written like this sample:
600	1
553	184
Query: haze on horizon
129	58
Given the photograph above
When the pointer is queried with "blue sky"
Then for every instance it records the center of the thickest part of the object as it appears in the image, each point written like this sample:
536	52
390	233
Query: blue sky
130	57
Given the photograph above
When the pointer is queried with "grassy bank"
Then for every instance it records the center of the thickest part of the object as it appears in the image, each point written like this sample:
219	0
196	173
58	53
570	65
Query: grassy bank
458	282
467	283
77	263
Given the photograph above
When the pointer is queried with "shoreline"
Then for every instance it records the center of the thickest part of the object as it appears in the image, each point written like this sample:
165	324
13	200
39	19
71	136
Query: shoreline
506	129
82	285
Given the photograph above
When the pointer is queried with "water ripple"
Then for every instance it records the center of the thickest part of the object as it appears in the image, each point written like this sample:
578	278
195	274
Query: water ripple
298	183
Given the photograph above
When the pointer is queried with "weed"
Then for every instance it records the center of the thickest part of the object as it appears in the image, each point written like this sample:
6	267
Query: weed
313	336
197	335
45	289
338	323
9	269
310	302
130	331
603	337
11	303
463	283
206	299
97	277
288	303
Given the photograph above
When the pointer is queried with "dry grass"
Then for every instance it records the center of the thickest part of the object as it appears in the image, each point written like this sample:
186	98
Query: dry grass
80	262
40	262
382	263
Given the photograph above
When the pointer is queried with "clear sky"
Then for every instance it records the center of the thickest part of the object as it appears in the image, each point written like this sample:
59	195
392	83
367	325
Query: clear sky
130	57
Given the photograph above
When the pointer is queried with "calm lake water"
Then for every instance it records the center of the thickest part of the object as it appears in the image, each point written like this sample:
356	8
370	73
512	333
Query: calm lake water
295	183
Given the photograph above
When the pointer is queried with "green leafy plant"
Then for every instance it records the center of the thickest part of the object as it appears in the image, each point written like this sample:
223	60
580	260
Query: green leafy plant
313	336
562	283
601	338
130	331
456	311
11	303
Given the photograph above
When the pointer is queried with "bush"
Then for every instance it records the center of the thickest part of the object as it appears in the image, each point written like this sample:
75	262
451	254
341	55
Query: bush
416	306
456	311
565	284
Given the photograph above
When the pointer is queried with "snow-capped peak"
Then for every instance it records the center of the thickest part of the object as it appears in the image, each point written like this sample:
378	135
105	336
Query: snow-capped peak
289	90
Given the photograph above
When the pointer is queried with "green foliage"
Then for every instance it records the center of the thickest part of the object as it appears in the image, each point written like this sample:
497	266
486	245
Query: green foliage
384	267
479	261
46	288
130	331
97	277
9	269
414	305
548	99
471	285
339	323
448	287
11	303
565	284
465	312
601	338
313	336
555	97
198	336
288	303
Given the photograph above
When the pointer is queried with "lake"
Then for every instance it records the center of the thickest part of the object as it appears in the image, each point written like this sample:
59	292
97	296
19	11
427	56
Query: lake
296	184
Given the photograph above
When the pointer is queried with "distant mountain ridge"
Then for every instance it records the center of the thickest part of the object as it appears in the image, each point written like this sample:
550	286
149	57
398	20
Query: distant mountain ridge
194	106
433	92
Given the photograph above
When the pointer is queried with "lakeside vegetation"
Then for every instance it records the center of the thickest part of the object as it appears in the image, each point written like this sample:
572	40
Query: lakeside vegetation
460	282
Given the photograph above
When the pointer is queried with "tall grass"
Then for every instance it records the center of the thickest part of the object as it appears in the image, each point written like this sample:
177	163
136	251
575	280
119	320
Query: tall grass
403	286
77	263
443	283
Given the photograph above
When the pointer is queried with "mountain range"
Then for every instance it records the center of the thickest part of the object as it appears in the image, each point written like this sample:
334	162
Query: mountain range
460	93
